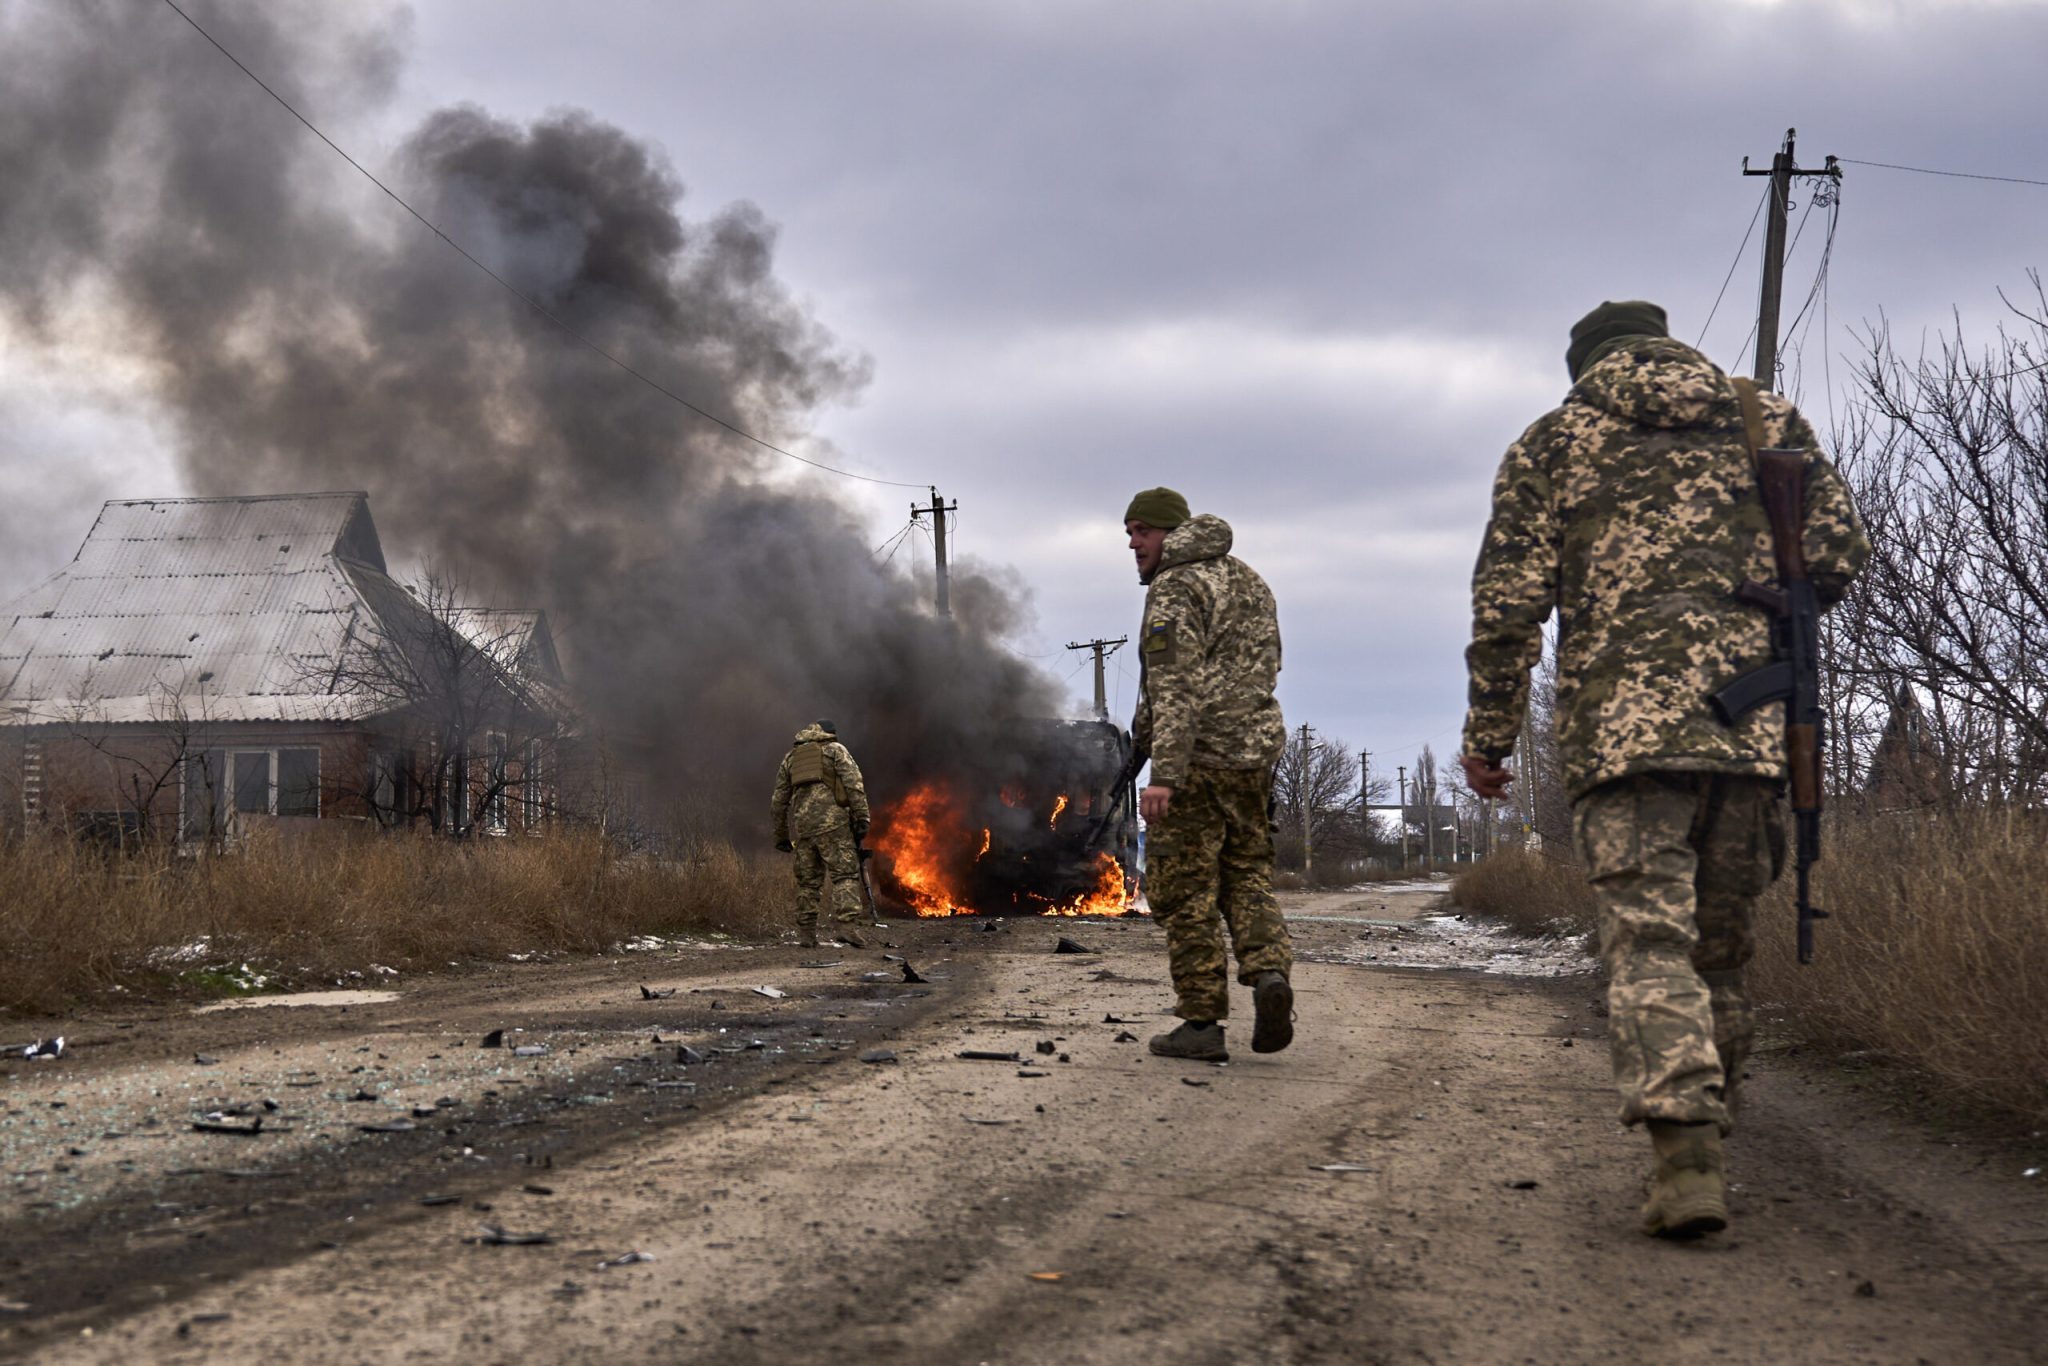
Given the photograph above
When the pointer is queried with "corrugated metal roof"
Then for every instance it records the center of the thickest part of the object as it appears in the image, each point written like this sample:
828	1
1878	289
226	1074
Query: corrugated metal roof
234	607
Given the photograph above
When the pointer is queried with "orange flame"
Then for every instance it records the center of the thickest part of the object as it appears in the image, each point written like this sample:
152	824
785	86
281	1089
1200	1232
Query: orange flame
1059	808
919	836
1113	893
926	842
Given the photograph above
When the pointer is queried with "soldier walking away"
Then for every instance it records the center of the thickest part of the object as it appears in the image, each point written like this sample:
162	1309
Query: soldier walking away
821	816
1633	509
1210	654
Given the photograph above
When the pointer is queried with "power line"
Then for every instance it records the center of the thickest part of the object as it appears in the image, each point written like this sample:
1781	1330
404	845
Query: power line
1958	175
513	289
1746	235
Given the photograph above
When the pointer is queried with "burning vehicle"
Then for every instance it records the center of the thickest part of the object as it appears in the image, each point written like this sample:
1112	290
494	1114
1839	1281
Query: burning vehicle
1049	828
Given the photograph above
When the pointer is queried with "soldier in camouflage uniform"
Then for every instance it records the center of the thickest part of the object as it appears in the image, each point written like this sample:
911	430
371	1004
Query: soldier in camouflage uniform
821	815
1210	653
1633	510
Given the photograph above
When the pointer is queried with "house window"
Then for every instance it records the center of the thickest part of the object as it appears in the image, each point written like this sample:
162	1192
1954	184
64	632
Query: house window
298	782
248	782
494	782
533	793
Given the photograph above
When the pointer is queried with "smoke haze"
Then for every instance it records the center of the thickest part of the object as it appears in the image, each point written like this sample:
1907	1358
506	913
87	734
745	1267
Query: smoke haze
303	334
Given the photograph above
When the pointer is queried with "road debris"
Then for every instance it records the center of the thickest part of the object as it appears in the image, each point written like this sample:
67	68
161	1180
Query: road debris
202	1060
491	1235
1124	1036
1048	1047
825	963
1521	1183
431	1201
972	1120
1048	1275
878	977
389	1126
1341	1167
530	1050
220	1123
42	1050
1194	1081
531	1188
989	1055
772	993
648	993
1033	1072
910	974
625	1259
494	1039
688	1056
1067	945
879	1055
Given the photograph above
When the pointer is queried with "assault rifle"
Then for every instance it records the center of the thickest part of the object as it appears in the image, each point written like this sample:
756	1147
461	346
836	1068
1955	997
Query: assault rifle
1793	675
1119	794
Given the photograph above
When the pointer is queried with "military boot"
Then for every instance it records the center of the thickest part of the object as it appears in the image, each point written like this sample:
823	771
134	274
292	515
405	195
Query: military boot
1201	1042
1273	999
849	936
1686	1197
807	936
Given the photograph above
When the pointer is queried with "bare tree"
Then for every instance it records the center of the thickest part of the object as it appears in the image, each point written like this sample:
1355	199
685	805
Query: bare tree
466	730
1318	816
1948	459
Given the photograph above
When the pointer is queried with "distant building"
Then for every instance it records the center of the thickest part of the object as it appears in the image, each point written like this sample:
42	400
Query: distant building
205	667
1908	771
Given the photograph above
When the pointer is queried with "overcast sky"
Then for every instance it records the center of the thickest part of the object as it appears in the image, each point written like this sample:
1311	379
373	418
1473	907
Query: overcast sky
1311	263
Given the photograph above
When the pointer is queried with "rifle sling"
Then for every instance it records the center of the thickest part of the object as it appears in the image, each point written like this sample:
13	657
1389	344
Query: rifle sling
1752	416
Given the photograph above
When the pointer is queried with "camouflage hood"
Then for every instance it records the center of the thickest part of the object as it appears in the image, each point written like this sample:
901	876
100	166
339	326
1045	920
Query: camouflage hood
1655	382
813	735
1206	537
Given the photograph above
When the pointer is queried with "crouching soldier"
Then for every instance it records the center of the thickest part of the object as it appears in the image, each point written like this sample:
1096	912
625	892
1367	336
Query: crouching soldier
821	816
1210	654
1634	509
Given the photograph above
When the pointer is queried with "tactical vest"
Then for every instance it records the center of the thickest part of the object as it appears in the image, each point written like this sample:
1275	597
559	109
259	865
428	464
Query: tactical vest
807	765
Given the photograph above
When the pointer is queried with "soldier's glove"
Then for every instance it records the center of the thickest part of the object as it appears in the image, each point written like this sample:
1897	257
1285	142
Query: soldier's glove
784	846
860	831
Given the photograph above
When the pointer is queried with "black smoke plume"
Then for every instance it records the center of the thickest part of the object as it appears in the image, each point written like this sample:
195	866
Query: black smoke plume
303	334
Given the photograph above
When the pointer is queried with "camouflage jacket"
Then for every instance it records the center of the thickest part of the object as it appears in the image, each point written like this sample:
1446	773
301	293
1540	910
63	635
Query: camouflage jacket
1209	651
1633	509
807	810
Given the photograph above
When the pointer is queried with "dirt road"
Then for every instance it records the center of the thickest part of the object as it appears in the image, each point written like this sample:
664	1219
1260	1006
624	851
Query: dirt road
1432	1173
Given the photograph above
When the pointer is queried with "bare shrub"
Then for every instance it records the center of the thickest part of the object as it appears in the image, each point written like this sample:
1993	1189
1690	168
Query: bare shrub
1529	892
309	910
1936	955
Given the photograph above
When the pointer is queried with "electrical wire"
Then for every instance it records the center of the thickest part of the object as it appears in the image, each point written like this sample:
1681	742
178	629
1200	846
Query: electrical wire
1747	233
513	289
1958	175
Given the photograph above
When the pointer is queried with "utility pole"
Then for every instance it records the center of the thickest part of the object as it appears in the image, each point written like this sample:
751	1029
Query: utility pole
937	512
1302	797
1784	168
1404	817
1364	801
1103	650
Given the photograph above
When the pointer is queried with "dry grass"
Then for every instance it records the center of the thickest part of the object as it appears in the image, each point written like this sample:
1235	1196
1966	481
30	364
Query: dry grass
1936	956
1528	891
76	922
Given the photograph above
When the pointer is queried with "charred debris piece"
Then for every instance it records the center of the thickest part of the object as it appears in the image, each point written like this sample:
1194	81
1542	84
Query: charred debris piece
989	1055
491	1235
1067	945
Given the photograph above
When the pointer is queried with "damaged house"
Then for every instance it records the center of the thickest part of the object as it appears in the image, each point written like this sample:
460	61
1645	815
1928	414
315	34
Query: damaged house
209	667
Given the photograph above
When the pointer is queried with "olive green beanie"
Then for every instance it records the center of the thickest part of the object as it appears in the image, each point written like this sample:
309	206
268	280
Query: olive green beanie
1160	507
1606	327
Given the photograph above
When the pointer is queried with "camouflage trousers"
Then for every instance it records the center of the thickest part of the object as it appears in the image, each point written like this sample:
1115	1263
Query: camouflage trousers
828	866
1208	866
1678	861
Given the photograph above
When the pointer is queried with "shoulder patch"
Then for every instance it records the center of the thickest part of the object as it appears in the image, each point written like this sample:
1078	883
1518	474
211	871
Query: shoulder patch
1159	643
